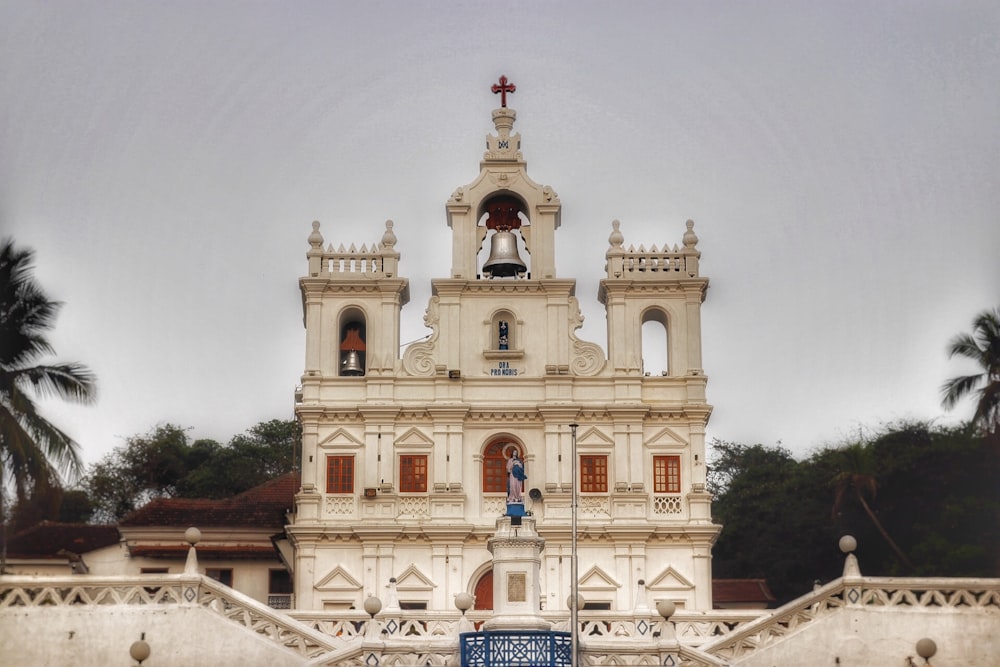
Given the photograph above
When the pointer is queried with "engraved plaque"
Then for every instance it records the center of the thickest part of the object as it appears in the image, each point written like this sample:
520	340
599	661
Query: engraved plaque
515	587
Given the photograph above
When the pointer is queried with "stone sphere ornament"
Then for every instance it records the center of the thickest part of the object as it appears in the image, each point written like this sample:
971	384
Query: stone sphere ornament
139	650
373	606
926	648
848	544
666	608
192	536
464	602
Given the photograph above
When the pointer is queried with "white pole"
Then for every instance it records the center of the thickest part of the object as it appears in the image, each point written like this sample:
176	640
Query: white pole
574	619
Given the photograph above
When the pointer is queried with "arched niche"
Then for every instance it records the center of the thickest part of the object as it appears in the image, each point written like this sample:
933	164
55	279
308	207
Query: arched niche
504	334
655	342
504	233
352	343
495	455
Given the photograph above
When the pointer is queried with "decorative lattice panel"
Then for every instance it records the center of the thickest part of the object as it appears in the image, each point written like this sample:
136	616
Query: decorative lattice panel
339	506
667	505
414	506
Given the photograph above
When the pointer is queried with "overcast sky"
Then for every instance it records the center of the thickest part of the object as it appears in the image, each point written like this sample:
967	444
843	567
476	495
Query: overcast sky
841	161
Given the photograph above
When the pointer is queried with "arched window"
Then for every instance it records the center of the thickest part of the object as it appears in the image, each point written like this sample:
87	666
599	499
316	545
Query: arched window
351	343
495	464
655	348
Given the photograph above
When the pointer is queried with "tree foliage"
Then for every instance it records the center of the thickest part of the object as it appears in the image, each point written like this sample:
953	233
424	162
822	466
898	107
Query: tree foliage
983	347
165	463
930	488
773	510
33	451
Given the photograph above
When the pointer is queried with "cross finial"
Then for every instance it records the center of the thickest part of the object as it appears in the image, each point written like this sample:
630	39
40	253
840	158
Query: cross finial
503	88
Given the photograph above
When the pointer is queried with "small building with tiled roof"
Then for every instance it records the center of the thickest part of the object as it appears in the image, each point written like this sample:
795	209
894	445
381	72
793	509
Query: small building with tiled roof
53	548
242	542
741	594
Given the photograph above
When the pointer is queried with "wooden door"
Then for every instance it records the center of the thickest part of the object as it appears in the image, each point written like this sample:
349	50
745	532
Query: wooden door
484	592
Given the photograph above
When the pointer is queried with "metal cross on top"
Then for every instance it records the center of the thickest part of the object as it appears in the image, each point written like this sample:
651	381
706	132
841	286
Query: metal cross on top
503	88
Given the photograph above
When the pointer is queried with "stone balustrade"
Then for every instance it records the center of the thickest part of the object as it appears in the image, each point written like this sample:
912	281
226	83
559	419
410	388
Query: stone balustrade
655	263
862	593
349	638
380	260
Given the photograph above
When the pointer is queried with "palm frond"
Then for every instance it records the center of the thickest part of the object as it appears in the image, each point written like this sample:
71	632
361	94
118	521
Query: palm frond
68	381
957	388
32	449
964	345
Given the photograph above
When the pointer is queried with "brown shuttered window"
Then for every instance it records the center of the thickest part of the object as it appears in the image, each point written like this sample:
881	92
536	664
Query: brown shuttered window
666	474
340	474
594	474
413	473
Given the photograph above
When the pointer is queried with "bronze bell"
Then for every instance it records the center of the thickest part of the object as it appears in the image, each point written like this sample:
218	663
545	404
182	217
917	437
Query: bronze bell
504	260
351	365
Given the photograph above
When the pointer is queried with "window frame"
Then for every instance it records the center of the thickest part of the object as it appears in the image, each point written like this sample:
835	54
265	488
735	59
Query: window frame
343	481
494	479
413	473
595	466
664	482
223	575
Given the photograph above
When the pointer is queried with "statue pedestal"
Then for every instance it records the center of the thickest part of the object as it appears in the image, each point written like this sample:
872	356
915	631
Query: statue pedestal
517	561
516	509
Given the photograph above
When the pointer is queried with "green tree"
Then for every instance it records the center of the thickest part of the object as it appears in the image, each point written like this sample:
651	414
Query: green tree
150	465
33	451
937	474
983	347
856	479
774	516
262	452
164	463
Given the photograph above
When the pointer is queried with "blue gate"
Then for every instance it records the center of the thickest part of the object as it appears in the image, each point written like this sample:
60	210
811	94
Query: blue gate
516	648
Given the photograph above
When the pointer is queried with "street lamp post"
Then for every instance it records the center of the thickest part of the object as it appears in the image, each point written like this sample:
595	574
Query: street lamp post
574	619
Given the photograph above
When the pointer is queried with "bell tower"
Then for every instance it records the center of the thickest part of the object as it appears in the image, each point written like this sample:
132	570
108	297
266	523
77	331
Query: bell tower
504	208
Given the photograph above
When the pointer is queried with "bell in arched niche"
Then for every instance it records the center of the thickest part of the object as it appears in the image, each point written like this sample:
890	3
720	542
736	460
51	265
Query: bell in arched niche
504	260
352	353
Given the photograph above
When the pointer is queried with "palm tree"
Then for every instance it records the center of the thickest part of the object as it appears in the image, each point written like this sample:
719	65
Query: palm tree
983	347
856	478
32	450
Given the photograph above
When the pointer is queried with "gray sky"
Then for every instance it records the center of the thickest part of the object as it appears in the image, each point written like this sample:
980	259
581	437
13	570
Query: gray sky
841	161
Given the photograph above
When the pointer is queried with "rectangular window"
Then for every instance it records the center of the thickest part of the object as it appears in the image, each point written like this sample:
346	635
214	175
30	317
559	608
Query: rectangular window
413	473
666	474
340	474
279	589
222	575
594	474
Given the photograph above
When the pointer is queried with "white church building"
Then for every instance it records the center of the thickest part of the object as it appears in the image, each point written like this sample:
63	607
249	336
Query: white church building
498	493
404	456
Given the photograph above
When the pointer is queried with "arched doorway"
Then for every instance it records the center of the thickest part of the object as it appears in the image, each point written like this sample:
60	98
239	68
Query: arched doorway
484	592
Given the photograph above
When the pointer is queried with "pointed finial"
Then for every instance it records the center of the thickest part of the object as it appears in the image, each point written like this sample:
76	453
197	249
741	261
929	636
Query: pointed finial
316	239
616	239
690	238
388	238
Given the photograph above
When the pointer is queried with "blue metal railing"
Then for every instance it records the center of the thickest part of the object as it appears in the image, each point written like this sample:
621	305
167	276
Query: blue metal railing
516	648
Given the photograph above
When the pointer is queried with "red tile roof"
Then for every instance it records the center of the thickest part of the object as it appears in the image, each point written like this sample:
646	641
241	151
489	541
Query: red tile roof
263	506
179	552
48	538
741	590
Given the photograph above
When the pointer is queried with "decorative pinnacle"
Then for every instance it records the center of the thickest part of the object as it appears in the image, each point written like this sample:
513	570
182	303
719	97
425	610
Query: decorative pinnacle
503	88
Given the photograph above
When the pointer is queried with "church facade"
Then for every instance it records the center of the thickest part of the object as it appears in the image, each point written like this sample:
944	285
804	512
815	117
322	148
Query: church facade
444	490
406	456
